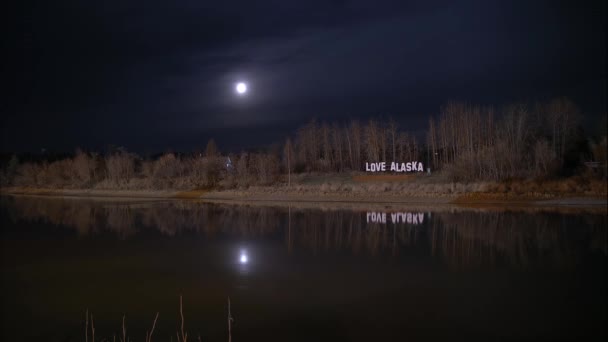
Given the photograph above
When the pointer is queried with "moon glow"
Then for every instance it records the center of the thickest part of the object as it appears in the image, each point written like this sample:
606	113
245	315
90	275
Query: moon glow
243	259
241	88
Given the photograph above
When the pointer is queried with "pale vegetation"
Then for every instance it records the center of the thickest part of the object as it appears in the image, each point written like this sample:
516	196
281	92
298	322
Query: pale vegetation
518	141
464	143
181	334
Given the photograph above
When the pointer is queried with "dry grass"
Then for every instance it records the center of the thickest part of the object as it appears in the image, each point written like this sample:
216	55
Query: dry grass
190	194
372	189
182	333
384	178
578	186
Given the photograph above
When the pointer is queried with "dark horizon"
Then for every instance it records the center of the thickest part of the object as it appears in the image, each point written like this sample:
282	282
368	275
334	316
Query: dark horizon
154	77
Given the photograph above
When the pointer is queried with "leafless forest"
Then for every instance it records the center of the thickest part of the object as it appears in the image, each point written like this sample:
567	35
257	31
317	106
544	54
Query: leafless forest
463	143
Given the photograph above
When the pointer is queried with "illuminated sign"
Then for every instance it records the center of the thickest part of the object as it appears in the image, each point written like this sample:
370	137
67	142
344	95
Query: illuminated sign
412	166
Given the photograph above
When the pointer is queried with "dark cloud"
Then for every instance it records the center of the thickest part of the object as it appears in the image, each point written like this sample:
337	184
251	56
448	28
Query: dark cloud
156	75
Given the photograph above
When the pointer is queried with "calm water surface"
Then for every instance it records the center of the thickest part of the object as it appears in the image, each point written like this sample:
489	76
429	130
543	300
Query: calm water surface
295	274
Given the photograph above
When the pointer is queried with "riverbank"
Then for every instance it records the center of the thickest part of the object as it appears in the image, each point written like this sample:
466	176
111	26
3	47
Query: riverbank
429	194
100	193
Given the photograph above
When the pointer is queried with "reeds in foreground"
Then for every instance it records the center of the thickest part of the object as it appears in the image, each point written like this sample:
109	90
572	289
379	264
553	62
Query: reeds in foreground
181	333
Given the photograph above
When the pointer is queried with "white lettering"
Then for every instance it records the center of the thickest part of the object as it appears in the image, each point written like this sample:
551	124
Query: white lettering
411	166
395	218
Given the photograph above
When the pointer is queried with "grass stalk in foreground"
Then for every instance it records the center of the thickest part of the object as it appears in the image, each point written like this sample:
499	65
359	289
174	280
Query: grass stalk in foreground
181	333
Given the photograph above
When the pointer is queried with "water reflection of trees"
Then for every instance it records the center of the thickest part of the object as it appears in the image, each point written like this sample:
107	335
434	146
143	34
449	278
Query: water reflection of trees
461	238
471	239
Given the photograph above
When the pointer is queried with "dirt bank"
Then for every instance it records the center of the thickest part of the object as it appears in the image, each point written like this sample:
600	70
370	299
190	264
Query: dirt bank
322	195
97	193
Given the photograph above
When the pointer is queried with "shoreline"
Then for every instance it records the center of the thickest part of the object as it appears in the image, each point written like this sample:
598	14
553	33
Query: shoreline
276	195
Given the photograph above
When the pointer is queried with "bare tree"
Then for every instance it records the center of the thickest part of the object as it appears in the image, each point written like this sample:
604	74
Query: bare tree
392	133
242	170
372	141
563	117
543	157
354	139
120	167
327	159
338	147
211	150
83	168
288	157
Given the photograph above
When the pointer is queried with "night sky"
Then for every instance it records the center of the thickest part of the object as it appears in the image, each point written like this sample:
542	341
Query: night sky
153	76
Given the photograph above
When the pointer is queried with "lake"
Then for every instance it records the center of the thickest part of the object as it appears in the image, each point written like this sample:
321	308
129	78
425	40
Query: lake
298	272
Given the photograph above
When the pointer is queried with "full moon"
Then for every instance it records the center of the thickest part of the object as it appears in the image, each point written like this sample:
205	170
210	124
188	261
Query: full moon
241	88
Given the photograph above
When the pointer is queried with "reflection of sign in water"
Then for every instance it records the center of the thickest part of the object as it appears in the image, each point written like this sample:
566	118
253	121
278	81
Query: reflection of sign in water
412	166
410	218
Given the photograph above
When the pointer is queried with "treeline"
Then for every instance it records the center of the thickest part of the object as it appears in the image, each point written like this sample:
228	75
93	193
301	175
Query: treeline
121	169
335	148
517	141
463	142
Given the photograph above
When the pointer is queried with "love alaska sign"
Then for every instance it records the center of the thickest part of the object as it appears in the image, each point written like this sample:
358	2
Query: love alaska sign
412	166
